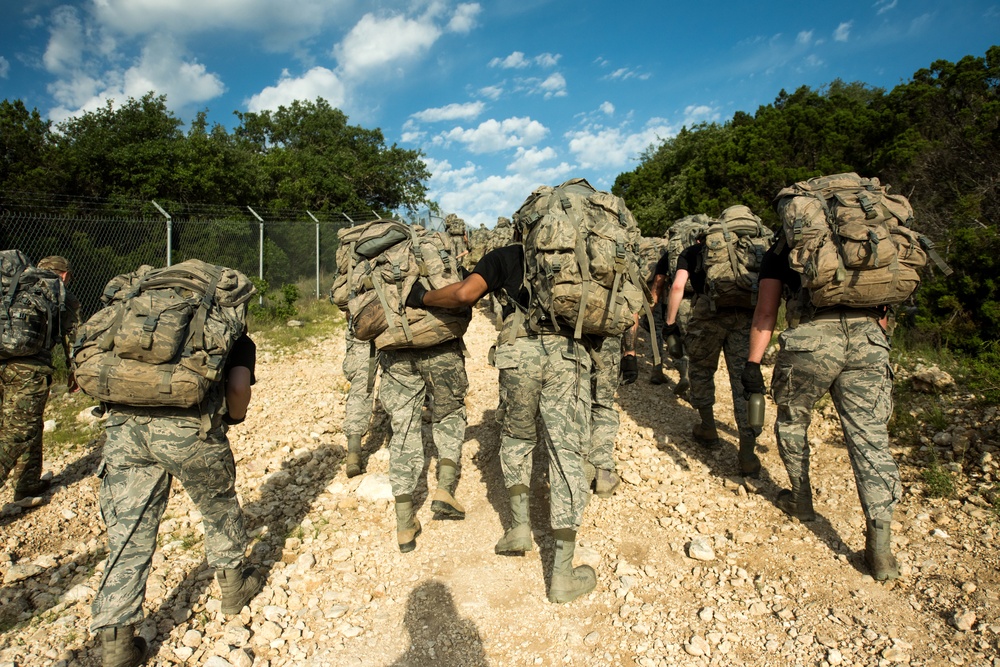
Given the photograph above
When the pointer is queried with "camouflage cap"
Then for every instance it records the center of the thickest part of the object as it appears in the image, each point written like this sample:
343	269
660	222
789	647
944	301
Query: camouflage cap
54	263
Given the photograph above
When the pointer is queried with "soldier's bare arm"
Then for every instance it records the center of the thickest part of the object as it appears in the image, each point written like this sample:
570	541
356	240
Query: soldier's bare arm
676	295
765	315
238	391
457	295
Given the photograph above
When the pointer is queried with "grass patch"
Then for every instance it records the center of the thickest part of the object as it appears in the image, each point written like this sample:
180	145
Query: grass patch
64	407
318	318
939	480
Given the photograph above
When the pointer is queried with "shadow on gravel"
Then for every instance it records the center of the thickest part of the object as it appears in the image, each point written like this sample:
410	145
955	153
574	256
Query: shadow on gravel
438	635
487	460
279	509
71	474
721	461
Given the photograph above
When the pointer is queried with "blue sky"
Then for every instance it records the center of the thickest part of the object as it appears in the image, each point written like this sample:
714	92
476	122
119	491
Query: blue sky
500	96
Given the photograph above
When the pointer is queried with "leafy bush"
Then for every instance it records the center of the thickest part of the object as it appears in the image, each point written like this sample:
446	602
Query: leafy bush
276	306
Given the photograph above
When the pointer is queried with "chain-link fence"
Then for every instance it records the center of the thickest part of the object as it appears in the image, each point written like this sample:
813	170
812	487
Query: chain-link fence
282	247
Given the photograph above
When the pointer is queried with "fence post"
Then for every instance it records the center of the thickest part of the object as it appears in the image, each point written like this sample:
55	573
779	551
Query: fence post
170	232
260	254
317	252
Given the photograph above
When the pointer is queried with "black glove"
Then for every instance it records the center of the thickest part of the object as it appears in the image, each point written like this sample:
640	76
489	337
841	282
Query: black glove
670	330
415	299
753	381
644	323
630	369
230	421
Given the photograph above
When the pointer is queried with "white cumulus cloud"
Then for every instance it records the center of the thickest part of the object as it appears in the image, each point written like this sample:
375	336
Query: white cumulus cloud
614	147
843	31
882	6
698	113
804	37
607	108
317	82
4	67
495	135
464	19
466	111
553	86
375	43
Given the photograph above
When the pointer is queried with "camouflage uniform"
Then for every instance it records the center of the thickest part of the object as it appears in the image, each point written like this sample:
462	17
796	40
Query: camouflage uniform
358	408
847	355
145	449
604	420
547	375
24	392
708	334
408	376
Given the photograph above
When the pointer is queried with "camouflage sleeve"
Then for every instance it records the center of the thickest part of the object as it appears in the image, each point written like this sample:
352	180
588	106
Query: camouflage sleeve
69	325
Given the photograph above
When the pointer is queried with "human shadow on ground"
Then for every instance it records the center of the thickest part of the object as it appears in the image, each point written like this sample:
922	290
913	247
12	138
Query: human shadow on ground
677	442
82	467
487	461
286	497
438	634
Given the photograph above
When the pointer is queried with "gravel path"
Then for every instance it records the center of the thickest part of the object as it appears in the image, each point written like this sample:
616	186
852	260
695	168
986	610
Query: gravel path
695	565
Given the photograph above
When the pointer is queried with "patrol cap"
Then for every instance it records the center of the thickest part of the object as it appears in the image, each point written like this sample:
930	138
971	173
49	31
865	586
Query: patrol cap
56	263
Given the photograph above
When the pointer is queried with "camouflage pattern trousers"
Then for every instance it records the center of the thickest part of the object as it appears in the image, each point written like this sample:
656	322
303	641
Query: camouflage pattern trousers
604	419
408	377
547	376
849	357
24	390
141	456
726	331
358	408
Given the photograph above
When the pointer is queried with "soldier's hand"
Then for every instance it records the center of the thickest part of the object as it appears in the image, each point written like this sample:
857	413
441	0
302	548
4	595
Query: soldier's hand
415	299
71	384
630	369
670	330
752	379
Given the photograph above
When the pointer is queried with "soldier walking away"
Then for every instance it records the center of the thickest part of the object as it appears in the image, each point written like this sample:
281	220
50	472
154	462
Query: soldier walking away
37	299
718	324
358	370
409	378
548	375
614	364
861	259
151	442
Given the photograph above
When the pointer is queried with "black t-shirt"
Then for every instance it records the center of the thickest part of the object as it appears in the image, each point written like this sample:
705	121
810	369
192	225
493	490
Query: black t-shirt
662	266
503	271
774	265
244	353
690	260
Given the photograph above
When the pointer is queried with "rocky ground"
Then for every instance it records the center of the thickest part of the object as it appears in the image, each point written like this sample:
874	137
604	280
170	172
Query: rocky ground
696	566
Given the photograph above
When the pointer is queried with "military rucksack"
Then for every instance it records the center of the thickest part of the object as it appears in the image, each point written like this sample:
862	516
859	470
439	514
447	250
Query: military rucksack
390	258
850	240
502	235
733	247
32	305
455	227
684	233
163	336
651	249
340	292
581	263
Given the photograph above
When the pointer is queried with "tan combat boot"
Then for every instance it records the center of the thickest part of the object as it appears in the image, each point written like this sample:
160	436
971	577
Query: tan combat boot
239	586
407	525
568	582
878	550
121	648
443	503
352	465
517	540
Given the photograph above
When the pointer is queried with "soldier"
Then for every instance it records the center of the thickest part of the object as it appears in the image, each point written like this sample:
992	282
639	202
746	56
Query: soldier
24	391
616	364
145	448
711	331
547	375
409	377
358	407
844	351
661	275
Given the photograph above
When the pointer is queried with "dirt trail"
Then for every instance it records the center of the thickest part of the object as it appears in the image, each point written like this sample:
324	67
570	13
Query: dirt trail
775	591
